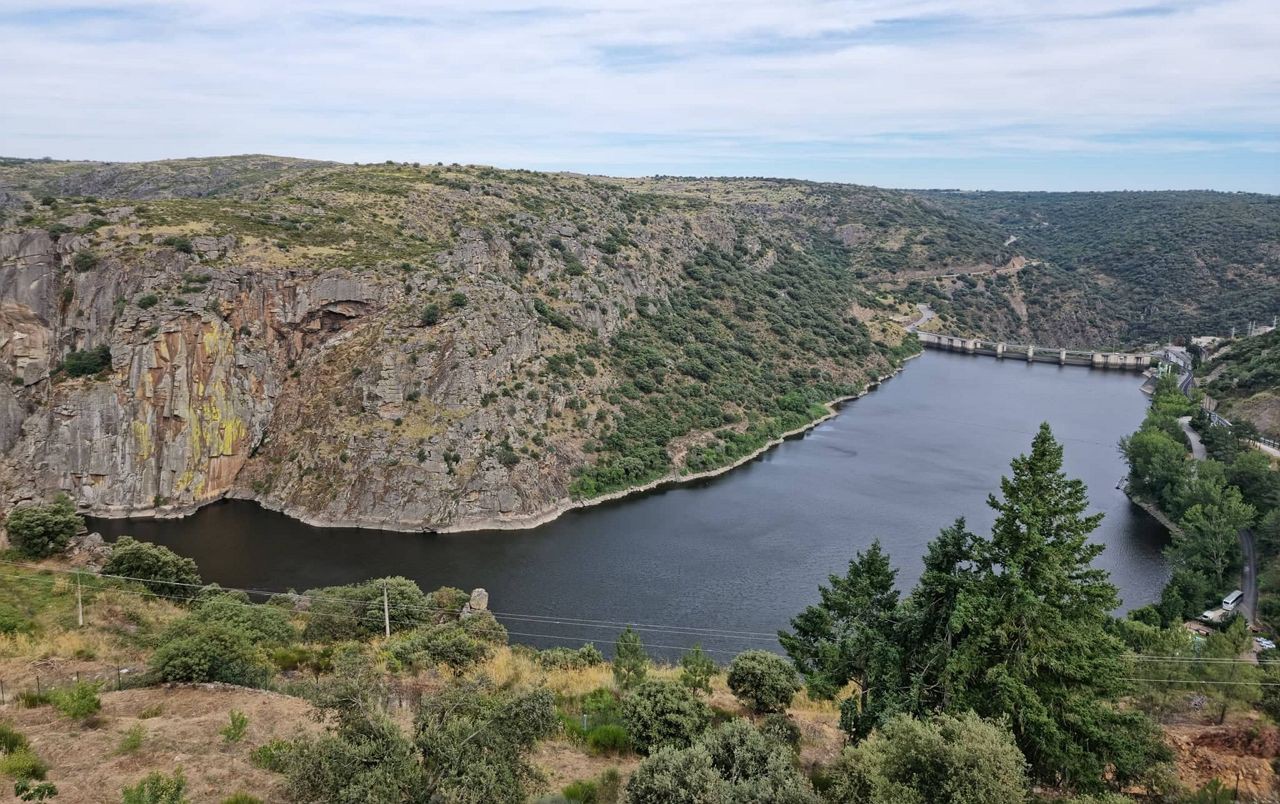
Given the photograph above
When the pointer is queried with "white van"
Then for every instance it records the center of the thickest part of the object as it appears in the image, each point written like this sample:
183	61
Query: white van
1232	600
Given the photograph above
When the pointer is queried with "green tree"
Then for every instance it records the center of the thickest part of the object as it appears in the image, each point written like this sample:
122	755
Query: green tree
1230	682
207	652
38	531
1032	642
659	713
847	636
764	681
630	662
158	568
696	670
475	742
1209	541
943	760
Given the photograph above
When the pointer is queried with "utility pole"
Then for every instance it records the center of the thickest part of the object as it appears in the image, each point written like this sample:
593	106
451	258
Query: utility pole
386	611
79	602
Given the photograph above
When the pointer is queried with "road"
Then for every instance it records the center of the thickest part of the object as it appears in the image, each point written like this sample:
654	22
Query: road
1249	573
926	315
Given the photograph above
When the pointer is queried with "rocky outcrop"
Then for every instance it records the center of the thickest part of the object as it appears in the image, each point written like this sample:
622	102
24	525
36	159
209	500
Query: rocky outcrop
382	346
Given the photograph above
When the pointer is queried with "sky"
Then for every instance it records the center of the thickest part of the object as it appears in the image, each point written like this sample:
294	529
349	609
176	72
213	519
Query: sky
972	94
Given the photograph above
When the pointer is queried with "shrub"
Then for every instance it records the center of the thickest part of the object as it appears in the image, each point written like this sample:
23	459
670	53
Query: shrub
23	764
458	300
241	798
158	568
148	301
962	759
29	790
39	531
354	611
484	626
764	681
447	644
83	362
234	731
209	652
132	740
11	739
264	625
430	315
604	789
609	738
781	729
30	699
659	713
569	659
696	670
630	662
84	261
733	763
178	243
272	756
155	710
79	702
157	788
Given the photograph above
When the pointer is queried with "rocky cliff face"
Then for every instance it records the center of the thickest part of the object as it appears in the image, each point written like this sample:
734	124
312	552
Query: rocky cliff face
406	347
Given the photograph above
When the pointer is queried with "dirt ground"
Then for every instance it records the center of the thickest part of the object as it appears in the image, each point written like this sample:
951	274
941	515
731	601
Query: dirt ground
1238	753
86	765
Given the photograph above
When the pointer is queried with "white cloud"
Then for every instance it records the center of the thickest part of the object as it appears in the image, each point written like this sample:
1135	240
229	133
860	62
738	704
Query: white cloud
659	85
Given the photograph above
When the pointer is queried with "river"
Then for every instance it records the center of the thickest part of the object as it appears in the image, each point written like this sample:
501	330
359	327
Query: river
747	550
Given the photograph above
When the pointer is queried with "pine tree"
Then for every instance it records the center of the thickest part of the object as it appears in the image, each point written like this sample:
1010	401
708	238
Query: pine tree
630	662
1031	642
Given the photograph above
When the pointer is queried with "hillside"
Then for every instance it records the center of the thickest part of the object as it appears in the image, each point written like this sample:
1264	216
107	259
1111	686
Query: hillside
1117	268
429	346
1244	378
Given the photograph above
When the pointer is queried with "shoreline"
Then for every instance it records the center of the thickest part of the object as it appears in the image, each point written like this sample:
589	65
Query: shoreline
527	521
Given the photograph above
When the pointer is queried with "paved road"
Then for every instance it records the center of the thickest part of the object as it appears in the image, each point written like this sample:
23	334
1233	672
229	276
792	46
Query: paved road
926	314
1249	573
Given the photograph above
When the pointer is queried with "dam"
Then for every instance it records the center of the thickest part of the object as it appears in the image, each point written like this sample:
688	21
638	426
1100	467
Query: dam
1124	361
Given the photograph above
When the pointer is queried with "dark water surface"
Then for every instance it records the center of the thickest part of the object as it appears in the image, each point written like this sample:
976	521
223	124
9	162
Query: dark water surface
745	551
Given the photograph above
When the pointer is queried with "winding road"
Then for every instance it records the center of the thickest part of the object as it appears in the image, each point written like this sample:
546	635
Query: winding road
1249	573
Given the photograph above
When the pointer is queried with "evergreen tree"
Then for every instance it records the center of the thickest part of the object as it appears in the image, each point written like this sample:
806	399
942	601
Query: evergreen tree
1031	642
848	635
630	662
696	670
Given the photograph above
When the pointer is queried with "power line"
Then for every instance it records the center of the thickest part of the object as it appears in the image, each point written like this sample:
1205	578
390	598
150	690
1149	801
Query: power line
673	630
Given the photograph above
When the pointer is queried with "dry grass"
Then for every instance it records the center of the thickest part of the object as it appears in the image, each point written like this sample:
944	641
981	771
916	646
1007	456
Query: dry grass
88	766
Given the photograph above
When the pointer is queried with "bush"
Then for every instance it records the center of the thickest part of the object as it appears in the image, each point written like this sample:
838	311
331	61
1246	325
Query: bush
608	739
272	756
764	681
178	243
604	789
158	568
79	702
569	659
781	729
209	652
263	625
84	261
23	764
447	644
11	739
733	763
28	790
962	759
484	626
39	531
83	362
234	731
430	315
659	713
354	611
241	798
132	740
157	788
458	300
148	301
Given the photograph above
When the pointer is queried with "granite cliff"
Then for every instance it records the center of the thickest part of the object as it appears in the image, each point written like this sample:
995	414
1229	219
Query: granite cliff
429	346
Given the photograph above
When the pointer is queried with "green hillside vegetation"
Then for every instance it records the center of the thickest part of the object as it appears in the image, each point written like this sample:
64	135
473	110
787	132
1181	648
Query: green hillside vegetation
1125	268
